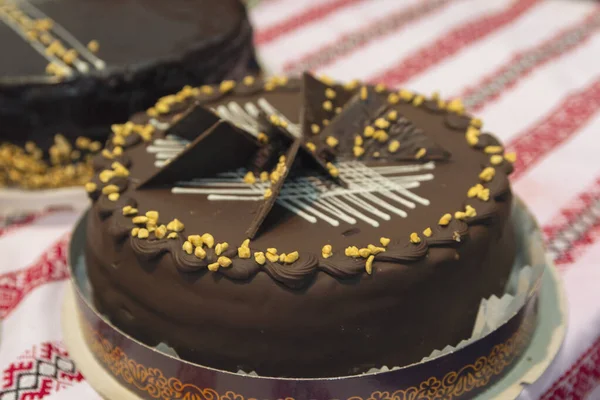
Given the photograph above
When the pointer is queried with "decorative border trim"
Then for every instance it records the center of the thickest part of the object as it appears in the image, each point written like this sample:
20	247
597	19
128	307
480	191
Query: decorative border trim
154	383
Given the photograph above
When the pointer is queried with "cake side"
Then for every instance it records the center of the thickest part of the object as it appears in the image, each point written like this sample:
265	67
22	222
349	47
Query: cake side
322	310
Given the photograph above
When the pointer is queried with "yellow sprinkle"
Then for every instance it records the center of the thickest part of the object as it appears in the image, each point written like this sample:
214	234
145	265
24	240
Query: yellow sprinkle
213	267
246	243
224	261
118	141
95	146
384	241
420	154
472	139
135	231
331	141
445	219
152	112
330	93
143	233
264	176
353	84
358	151
315	129
196	240
82	142
392	115
200	253
474	191
248	80
90	187
496	159
381	123
272	257
484	195
107	154
259	257
470	211
381	136
414	238
172	235
327	251
352	251
460	215
160	232
269	86
380	87
338	110
456	106
93	46
243	252
376	154
175	225
369	265
333	171
364	252
208	240
187	247
226	86
405	95
263	138
477	123
311	146
268	193
221	247
141	219
369	131
281	80
394	146
393	98
510	157
417	101
487	174
151	224
326	80
114	196
70	56
274	119
249	178
358	140
272	250
106	175
427	232
364	94
108	189
325	122
206	89
493	149
282	257
327	105
152	215
292	257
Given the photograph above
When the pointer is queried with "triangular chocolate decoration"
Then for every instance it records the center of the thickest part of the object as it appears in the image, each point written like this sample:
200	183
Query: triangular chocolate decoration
320	102
193	122
267	204
221	148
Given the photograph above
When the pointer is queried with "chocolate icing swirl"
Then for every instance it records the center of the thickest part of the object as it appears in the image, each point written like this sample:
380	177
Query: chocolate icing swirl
294	275
457	122
404	253
450	235
341	267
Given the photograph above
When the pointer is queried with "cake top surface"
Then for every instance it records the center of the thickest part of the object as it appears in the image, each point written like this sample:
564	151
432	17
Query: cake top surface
295	178
80	37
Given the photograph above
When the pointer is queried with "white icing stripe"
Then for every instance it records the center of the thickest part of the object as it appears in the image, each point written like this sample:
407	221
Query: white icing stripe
66	37
37	46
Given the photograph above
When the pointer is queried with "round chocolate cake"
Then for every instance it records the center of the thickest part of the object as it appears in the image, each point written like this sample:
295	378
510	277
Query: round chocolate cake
299	228
74	67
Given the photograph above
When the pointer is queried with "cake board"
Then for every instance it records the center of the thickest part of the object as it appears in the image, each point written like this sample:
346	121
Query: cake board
545	344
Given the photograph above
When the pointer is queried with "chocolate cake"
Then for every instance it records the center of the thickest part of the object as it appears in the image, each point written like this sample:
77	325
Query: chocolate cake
75	67
299	228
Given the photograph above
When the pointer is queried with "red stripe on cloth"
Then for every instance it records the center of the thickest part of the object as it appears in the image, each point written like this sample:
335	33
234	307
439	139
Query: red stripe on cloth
51	267
354	41
575	227
25	221
520	66
581	378
451	43
558	126
294	22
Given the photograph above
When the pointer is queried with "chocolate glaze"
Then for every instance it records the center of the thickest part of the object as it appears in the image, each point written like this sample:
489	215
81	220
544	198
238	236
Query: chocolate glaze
151	48
316	316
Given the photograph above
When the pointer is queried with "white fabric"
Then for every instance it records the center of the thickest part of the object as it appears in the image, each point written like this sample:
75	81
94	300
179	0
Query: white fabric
561	186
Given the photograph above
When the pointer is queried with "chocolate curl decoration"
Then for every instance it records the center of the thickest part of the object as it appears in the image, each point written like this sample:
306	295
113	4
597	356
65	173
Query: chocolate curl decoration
193	122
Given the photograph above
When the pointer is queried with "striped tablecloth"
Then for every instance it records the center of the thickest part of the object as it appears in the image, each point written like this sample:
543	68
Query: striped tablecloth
529	68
